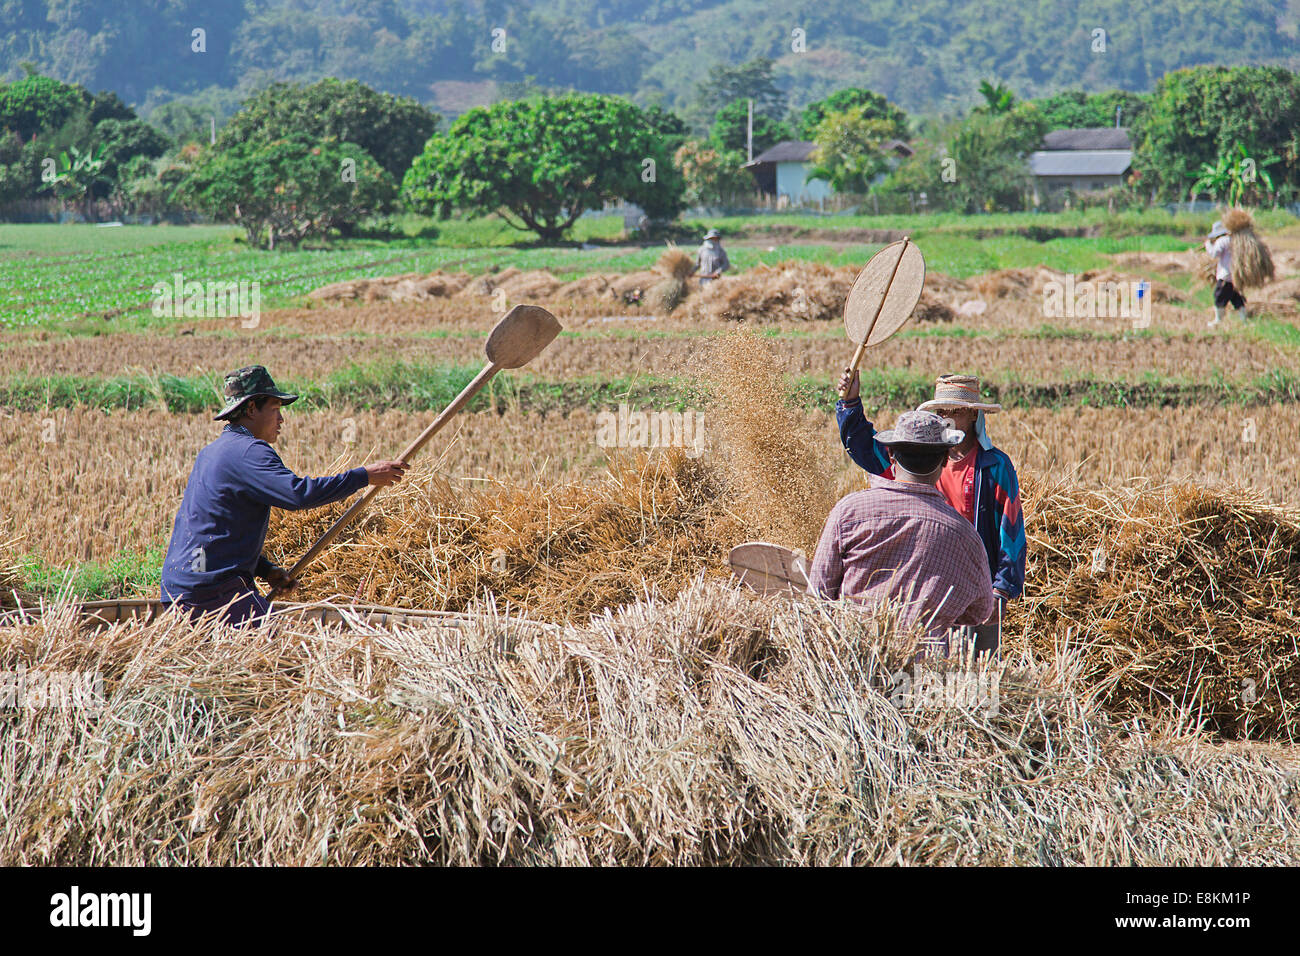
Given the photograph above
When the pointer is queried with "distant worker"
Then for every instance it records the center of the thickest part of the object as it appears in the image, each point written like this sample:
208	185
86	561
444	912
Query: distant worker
711	261
900	540
978	480
1218	245
216	544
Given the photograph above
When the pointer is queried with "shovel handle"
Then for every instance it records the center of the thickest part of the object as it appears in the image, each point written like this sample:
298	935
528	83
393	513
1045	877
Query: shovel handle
360	504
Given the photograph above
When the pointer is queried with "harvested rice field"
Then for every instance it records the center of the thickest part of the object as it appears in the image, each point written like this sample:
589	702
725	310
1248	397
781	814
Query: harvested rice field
593	688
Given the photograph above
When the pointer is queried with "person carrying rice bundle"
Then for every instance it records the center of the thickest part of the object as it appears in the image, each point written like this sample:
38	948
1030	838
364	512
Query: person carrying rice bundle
1241	261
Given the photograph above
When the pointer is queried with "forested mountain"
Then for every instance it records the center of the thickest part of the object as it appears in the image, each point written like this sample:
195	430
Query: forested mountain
925	55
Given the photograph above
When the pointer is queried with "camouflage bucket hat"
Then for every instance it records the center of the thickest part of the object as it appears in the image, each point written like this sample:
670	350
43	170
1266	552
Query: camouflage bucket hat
250	382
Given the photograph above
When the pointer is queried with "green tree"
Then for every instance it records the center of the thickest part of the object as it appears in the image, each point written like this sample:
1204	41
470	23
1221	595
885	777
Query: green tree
393	130
125	140
670	127
541	162
39	103
848	151
289	189
731	127
712	176
1075	109
751	80
15	178
1194	113
873	106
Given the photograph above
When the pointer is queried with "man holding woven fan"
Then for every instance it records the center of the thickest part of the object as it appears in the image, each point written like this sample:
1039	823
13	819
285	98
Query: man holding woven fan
978	480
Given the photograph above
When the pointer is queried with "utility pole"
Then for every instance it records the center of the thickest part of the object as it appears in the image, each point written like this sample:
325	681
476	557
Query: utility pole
1118	110
212	136
749	133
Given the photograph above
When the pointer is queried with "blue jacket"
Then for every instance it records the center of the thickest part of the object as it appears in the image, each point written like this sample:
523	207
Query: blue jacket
998	518
221	526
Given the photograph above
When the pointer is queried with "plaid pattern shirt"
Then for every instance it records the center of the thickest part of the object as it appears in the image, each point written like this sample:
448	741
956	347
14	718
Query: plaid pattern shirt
903	541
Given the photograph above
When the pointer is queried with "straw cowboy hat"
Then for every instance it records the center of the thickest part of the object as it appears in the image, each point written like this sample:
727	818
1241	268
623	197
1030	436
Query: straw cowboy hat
957	391
713	234
921	428
1218	229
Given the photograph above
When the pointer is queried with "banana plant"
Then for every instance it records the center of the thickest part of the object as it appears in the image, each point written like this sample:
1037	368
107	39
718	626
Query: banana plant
75	176
1234	176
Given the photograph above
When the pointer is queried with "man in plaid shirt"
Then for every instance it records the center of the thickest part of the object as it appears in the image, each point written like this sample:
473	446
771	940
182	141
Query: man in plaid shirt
901	540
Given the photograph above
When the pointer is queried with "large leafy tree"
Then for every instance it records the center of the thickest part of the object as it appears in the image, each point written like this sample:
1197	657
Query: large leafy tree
542	162
39	103
712	176
391	129
126	140
288	189
1195	114
873	106
751	80
849	154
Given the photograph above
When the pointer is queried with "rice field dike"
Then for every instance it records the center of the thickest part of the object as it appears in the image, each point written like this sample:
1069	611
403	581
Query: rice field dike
591	688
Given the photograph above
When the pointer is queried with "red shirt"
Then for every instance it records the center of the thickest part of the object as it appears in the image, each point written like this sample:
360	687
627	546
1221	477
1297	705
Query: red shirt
957	482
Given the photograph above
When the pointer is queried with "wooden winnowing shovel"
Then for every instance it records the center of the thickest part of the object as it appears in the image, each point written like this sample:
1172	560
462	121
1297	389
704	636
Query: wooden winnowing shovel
883	296
517	339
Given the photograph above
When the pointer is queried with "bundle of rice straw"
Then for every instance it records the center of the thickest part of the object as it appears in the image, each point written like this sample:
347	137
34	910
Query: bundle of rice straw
9	593
1252	265
674	265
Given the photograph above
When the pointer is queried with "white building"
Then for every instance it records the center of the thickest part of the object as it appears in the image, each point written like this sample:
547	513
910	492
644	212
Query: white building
1081	160
783	170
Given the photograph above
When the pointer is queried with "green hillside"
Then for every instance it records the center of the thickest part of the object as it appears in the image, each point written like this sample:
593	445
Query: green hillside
925	55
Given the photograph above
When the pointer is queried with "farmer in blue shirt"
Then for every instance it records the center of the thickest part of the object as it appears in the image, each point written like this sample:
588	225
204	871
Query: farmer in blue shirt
216	545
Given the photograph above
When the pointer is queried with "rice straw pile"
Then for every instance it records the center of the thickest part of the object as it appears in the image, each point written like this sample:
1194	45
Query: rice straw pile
713	730
789	291
1252	264
559	551
1181	600
777	483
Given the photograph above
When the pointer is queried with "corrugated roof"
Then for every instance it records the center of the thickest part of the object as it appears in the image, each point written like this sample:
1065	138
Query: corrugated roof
1081	162
1091	137
789	151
